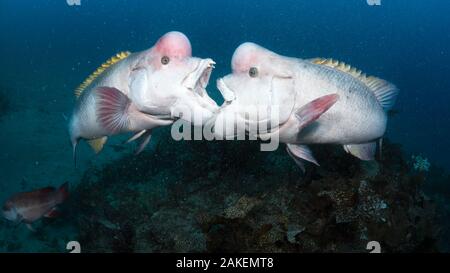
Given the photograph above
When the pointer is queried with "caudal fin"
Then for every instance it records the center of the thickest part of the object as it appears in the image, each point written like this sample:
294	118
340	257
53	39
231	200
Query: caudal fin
63	193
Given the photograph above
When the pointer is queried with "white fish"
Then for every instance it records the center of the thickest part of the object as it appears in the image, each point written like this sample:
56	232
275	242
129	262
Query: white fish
318	101
140	91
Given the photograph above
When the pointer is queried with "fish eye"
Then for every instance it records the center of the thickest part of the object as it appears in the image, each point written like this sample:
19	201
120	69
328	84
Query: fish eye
253	72
165	60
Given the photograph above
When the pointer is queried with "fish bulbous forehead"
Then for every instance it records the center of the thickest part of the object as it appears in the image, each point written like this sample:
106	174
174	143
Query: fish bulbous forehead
248	55
174	44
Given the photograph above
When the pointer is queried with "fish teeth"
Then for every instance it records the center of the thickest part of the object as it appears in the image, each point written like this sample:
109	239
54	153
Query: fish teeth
211	64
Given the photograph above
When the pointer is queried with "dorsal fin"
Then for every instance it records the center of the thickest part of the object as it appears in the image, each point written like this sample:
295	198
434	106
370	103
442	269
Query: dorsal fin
114	59
385	92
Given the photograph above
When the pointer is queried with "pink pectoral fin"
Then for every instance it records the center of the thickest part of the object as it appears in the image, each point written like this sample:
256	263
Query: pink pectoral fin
112	109
117	114
314	109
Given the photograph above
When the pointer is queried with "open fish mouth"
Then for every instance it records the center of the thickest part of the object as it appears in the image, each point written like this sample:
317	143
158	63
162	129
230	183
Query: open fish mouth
203	80
198	80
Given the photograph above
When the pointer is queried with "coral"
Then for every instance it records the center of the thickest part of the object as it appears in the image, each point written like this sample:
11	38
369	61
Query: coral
241	208
420	163
229	196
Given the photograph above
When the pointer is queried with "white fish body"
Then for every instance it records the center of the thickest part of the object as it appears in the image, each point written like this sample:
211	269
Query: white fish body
357	117
317	101
140	91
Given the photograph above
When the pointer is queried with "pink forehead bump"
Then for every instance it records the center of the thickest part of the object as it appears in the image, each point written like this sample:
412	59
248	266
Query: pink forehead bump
174	44
245	56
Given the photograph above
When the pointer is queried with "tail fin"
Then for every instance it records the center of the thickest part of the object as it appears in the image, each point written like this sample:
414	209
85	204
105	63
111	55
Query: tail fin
63	193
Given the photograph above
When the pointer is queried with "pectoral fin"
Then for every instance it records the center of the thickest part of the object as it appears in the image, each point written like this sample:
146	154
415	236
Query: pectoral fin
112	109
117	114
314	109
299	153
362	151
303	116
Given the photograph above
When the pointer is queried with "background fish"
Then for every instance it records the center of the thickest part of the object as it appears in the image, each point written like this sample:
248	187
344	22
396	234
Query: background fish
318	101
28	207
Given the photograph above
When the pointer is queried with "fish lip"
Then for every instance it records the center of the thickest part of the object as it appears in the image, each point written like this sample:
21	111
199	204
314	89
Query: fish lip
203	80
227	93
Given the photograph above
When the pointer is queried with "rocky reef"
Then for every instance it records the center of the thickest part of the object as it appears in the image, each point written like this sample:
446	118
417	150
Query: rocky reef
228	196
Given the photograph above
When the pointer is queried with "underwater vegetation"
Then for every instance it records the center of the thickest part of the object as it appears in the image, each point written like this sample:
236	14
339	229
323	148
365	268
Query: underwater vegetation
199	196
5	104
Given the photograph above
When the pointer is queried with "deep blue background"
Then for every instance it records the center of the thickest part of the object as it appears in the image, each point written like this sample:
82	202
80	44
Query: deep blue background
49	43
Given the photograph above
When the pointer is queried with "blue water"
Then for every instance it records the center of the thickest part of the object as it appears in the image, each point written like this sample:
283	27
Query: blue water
405	42
48	47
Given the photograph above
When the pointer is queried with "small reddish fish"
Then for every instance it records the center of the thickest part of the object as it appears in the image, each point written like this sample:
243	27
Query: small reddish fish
28	207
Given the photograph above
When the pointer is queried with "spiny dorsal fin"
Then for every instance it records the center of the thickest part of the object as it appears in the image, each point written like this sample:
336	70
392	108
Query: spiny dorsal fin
385	92
114	59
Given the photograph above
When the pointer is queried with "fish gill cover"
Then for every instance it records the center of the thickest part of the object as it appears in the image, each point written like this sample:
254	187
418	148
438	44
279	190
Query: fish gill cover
201	196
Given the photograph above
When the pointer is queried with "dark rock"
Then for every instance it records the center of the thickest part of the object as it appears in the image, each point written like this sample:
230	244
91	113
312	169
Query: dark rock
230	197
